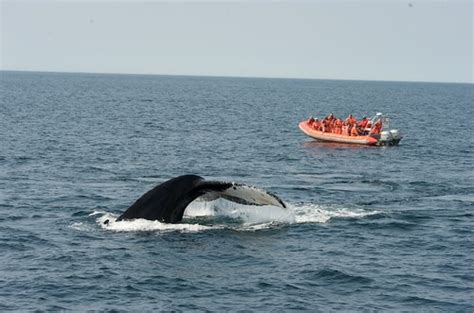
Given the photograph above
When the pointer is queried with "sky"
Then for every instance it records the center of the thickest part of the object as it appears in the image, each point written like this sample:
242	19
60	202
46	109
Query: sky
395	40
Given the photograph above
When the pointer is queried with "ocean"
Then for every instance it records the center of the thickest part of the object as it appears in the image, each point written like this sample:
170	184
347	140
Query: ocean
366	229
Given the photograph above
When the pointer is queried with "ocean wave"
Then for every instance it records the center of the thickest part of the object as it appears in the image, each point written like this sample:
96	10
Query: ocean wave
334	276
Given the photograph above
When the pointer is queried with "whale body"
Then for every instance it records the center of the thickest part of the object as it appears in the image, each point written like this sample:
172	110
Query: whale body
168	201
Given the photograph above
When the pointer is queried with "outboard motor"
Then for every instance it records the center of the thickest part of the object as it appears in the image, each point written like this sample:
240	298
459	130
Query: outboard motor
395	134
385	136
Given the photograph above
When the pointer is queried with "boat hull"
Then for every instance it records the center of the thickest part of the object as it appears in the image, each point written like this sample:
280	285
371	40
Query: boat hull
316	134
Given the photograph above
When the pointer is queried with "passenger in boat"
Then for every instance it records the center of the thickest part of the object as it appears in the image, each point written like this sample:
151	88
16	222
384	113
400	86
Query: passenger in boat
328	122
351	120
362	126
363	122
377	128
345	129
348	119
316	124
310	121
327	126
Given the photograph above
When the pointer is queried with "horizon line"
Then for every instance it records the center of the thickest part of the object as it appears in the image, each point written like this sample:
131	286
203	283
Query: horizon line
237	76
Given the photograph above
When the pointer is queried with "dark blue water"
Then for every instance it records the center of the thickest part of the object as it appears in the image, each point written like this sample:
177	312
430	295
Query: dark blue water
368	228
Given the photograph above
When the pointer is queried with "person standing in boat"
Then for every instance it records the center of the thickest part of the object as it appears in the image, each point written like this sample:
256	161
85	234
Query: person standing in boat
363	122
377	128
351	120
362	126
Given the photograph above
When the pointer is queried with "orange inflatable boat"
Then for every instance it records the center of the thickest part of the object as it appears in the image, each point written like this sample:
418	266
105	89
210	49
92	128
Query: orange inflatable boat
387	137
310	131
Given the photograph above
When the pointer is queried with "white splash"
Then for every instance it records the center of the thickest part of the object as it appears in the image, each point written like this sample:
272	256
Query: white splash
141	224
248	217
247	214
80	226
313	213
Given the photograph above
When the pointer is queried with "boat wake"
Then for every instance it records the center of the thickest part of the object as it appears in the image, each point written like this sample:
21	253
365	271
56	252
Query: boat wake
222	214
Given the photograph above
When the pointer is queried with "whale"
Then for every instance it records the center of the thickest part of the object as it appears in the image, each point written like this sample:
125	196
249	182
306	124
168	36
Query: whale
167	201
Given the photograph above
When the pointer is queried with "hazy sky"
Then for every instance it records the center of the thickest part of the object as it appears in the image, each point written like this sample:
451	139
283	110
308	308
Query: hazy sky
373	40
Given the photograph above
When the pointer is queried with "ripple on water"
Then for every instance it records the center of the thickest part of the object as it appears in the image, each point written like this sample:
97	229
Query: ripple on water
333	276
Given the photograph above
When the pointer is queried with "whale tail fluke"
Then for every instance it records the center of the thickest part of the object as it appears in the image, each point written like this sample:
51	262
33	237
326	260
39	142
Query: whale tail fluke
168	201
239	193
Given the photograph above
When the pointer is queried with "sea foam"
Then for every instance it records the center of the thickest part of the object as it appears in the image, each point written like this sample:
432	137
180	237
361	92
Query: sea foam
244	217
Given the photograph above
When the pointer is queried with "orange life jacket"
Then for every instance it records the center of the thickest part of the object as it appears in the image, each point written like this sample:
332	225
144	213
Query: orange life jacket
377	128
363	123
316	125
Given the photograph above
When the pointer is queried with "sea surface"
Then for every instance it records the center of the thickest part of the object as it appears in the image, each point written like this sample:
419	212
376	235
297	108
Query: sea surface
367	228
